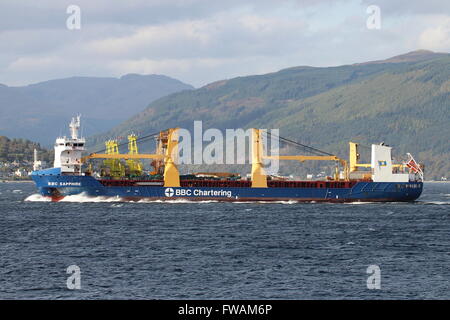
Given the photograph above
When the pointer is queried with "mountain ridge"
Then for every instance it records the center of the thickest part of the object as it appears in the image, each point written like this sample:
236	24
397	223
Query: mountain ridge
35	110
403	103
412	56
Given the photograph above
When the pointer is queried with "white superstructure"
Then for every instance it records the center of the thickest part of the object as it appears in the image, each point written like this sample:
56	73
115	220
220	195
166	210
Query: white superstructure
68	150
37	164
383	169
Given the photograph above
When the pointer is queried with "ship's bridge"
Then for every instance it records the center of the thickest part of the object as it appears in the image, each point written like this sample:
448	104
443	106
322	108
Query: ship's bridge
68	150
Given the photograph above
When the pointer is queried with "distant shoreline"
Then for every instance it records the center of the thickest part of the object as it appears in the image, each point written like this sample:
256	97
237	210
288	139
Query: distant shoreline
437	181
30	181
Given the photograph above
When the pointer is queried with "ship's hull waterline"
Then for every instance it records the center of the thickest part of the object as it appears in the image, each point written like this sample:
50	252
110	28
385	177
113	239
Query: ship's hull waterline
57	187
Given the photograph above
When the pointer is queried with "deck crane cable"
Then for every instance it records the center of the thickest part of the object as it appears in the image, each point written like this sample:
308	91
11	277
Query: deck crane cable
285	140
298	144
126	143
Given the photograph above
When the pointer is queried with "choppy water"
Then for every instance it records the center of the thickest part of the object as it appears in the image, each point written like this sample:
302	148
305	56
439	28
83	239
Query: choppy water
223	250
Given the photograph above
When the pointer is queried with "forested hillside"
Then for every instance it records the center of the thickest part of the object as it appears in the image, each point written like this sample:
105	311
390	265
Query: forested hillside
404	101
21	150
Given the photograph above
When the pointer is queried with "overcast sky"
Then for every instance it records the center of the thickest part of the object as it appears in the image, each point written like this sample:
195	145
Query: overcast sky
201	41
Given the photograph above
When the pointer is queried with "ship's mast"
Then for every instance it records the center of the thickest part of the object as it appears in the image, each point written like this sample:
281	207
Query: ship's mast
75	127
37	165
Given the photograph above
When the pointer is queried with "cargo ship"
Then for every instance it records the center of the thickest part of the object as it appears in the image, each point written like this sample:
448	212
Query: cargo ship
122	175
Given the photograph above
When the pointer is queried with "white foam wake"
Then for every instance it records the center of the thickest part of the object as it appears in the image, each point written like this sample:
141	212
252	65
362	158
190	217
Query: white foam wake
436	202
175	201
281	202
83	197
37	198
78	198
213	201
360	202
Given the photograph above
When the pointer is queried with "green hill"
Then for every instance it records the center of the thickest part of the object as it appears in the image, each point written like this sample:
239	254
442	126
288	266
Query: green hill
22	150
403	101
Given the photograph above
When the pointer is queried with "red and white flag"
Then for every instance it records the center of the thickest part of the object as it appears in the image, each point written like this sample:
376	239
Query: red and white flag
413	166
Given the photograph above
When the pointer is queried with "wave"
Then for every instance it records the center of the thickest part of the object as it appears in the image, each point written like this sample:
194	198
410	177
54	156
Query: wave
271	202
37	198
175	201
212	201
82	197
359	202
283	202
435	202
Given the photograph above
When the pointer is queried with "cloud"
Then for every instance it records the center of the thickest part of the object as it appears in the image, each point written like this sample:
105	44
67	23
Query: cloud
437	36
409	7
225	35
200	41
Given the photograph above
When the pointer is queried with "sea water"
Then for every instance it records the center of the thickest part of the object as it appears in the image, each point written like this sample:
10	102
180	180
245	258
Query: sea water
212	250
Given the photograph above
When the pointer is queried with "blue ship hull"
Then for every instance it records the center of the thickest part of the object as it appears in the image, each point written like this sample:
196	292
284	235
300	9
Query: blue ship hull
56	186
